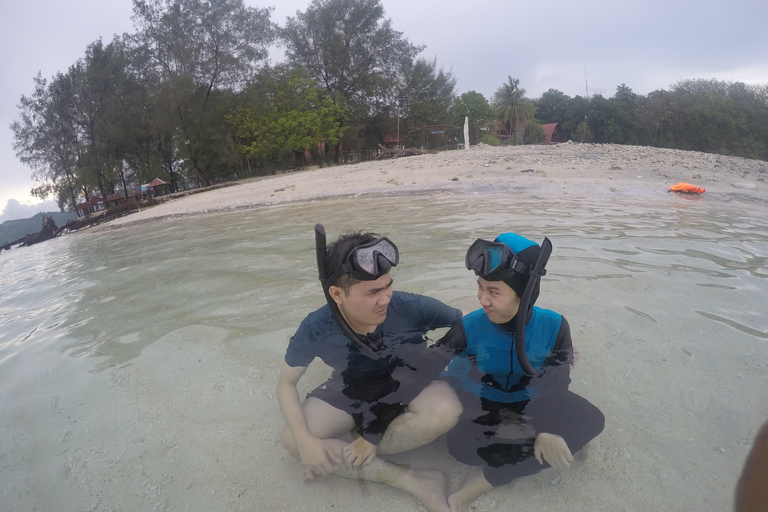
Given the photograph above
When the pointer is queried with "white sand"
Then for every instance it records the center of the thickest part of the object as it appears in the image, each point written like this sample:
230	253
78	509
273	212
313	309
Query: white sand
576	169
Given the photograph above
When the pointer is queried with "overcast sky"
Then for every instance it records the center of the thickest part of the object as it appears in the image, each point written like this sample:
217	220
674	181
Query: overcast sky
648	45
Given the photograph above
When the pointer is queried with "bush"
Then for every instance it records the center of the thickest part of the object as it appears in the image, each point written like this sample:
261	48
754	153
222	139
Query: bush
534	133
491	140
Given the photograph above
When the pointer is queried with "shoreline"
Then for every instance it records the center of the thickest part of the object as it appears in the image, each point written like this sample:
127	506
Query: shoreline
592	171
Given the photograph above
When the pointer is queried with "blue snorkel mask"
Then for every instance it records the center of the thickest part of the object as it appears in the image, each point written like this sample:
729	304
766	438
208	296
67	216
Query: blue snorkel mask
497	261
493	260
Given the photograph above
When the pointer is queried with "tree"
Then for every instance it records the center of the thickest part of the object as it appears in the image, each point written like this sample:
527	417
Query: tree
474	106
513	108
107	112
287	114
349	48
198	46
552	107
426	94
46	138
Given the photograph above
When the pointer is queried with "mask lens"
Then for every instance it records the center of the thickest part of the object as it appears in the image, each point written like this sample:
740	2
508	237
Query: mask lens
366	257
486	257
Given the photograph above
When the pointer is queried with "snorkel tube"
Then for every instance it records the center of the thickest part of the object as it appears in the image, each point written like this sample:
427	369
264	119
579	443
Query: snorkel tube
535	273
320	249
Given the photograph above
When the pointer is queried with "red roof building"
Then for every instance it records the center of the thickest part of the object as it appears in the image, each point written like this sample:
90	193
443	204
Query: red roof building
94	204
554	132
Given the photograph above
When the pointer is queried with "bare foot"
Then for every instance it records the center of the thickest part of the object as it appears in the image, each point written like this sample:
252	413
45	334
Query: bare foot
456	505
431	490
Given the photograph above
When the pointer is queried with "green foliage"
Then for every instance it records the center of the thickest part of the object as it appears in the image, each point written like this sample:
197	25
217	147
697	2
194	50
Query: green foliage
197	47
491	140
534	133
513	108
552	107
612	133
474	106
352	50
426	93
288	114
582	133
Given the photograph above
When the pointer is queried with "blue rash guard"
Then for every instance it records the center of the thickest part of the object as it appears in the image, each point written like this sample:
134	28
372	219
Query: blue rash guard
488	366
494	392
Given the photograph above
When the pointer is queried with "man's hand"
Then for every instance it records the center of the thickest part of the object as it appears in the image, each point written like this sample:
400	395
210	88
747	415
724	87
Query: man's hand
359	453
554	449
318	456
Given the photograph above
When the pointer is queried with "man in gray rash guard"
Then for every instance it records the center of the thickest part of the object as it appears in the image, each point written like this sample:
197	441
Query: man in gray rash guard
515	422
384	387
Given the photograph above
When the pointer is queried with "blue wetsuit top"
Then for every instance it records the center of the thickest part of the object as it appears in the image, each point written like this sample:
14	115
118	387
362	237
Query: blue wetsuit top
487	365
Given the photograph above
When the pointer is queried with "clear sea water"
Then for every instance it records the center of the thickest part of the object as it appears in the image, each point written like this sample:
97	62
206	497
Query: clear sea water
138	364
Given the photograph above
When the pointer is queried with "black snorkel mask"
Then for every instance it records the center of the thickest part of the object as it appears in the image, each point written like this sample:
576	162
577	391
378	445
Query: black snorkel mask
367	262
495	261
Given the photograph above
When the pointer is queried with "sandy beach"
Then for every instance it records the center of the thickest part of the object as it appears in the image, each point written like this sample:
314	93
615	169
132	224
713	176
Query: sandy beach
589	170
197	426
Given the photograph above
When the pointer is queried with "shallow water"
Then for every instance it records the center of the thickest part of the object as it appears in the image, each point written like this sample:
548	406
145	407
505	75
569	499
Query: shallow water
137	365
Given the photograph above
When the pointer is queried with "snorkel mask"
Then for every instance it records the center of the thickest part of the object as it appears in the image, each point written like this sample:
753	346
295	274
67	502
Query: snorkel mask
500	261
493	260
366	262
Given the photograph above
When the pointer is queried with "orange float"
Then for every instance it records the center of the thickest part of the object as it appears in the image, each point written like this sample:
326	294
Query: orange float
687	188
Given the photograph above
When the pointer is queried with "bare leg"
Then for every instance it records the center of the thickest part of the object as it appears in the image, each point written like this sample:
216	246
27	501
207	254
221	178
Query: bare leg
427	486
432	413
475	485
323	421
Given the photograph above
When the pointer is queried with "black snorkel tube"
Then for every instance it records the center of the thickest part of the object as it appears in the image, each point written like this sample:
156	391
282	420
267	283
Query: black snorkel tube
535	273
320	249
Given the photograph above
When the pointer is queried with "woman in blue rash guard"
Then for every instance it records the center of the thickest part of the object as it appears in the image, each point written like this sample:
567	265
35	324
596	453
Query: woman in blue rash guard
519	416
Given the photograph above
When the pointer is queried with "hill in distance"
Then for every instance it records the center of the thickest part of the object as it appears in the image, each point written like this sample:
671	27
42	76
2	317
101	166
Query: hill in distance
11	230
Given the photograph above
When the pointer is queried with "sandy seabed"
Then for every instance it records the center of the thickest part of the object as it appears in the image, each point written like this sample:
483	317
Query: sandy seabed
266	475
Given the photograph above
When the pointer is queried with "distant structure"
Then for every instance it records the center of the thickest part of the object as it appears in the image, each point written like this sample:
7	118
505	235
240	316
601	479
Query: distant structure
94	204
156	187
554	133
391	141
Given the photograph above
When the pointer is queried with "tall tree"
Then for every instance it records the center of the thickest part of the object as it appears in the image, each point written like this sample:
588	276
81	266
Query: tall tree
426	93
199	46
105	104
552	107
513	108
352	50
46	138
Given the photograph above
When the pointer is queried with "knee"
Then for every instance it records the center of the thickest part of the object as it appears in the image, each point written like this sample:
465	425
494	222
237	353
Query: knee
597	421
443	415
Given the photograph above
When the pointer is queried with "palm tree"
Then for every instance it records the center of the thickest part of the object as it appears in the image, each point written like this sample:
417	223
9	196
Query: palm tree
512	107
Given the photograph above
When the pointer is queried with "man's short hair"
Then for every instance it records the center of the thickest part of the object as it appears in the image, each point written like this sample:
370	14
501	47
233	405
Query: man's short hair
337	253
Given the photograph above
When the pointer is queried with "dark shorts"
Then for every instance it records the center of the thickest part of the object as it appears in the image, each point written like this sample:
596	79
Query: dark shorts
336	393
500	437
